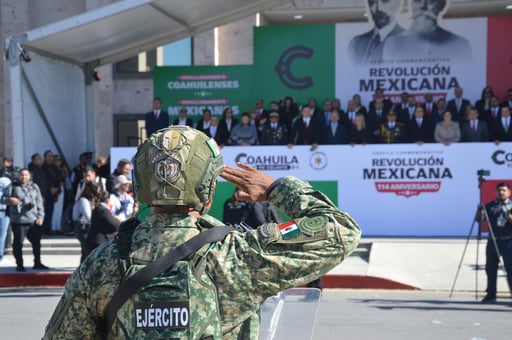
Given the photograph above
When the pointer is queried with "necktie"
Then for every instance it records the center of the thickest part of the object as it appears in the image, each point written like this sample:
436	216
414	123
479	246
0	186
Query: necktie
333	129
506	123
418	121
474	125
494	113
156	115
458	104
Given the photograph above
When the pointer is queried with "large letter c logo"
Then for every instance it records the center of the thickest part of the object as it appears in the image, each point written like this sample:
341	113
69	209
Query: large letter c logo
283	67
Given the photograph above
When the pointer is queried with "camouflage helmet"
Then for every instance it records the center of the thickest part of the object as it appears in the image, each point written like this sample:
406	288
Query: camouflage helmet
175	166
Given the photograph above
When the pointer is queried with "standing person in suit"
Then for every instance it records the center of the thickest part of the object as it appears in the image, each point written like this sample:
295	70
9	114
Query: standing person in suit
492	114
406	115
508	102
305	130
360	108
227	122
183	119
502	131
204	123
324	116
156	119
474	130
315	110
419	129
376	117
334	132
369	46
216	132
379	95
429	106
457	106
359	133
260	112
438	113
288	112
484	103
403	102
273	132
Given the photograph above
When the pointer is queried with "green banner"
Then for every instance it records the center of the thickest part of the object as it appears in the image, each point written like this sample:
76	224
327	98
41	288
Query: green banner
294	60
200	87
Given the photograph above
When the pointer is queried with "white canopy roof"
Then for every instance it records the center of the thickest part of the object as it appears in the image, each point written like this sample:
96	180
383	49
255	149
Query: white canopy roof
125	28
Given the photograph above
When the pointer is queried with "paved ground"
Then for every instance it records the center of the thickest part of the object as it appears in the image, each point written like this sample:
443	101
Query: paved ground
342	314
423	263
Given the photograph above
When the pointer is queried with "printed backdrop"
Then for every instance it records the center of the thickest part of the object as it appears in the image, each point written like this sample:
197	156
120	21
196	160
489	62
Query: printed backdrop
407	190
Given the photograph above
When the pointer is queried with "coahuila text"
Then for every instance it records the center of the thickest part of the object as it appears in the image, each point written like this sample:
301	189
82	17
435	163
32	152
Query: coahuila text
161	316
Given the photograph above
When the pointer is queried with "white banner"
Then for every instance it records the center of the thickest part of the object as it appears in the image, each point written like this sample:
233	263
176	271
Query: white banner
398	190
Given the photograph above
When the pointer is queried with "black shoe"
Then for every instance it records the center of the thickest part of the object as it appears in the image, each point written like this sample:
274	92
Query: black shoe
40	266
20	269
489	299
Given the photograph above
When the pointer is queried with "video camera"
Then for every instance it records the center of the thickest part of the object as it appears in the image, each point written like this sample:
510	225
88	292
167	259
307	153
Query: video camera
483	173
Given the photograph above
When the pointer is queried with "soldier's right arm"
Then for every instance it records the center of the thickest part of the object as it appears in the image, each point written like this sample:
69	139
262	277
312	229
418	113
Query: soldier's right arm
248	268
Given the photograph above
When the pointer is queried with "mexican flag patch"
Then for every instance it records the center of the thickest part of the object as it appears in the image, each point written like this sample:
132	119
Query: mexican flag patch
289	230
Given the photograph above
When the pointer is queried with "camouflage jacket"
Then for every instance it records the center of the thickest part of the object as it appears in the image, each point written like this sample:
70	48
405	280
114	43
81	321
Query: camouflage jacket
246	268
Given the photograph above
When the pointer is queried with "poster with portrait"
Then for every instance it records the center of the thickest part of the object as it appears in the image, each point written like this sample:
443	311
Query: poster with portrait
413	50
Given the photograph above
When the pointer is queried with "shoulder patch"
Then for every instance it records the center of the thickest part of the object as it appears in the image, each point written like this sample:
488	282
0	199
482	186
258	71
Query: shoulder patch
311	225
289	230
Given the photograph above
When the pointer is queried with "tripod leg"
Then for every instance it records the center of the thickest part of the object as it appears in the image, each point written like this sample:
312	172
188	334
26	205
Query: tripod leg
463	254
493	238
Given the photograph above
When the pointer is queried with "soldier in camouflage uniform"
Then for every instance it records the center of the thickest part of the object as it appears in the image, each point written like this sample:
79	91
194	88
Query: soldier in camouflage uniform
175	171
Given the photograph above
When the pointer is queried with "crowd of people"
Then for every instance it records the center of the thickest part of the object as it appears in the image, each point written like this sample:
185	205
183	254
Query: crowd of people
69	197
48	198
444	120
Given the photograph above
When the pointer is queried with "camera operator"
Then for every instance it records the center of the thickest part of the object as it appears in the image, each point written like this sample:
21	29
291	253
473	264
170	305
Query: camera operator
27	213
499	212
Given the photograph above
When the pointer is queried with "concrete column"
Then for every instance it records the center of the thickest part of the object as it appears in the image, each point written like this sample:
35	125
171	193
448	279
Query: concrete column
203	49
236	42
13	19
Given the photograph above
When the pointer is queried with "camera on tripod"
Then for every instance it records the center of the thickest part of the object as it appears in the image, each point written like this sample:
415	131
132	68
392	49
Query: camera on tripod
483	173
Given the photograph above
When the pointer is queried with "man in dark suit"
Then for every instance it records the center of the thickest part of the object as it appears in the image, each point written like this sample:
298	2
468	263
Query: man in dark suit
370	45
261	113
474	130
457	106
508	102
492	115
183	119
216	131
156	119
305	130
379	95
334	132
419	129
429	106
376	117
437	114
502	131
406	115
324	116
273	132
403	102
